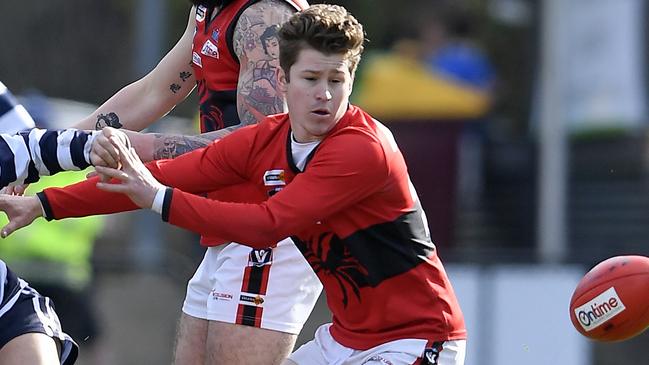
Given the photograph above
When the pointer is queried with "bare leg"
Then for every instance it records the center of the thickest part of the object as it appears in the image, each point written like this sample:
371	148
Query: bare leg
289	362
30	348
243	345
190	341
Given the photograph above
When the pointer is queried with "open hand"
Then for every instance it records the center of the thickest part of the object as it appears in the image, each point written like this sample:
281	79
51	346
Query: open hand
21	211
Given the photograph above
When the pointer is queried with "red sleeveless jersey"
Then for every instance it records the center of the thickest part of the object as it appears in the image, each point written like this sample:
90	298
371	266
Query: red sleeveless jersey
215	64
216	68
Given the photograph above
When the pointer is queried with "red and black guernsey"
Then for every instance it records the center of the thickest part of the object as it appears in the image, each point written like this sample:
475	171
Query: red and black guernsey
353	213
215	64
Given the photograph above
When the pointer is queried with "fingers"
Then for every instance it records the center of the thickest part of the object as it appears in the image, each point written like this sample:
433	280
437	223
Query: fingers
103	152
20	189
128	157
111	173
21	211
12	226
14	190
7	230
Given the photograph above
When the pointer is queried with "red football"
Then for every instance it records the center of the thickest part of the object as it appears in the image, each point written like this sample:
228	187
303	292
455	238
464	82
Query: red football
611	302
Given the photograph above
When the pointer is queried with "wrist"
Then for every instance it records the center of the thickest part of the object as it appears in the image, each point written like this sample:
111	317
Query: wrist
142	143
158	200
41	206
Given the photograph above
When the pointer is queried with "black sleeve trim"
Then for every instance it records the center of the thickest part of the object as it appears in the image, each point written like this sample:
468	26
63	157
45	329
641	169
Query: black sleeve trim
47	208
166	204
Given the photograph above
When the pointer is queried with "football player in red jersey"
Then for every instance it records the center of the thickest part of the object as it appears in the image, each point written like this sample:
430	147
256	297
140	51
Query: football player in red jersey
337	185
222	54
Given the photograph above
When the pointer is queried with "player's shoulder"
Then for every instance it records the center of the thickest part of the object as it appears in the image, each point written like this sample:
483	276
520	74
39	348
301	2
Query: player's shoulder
270	9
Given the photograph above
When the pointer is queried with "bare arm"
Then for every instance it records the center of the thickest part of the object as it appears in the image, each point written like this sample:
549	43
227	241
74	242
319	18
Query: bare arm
257	95
146	100
256	45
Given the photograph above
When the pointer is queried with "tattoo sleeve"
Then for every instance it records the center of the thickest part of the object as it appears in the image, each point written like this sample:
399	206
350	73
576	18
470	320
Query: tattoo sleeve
257	48
170	146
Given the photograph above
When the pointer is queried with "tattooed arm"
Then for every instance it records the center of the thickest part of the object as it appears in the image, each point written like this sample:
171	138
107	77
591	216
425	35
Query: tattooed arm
257	47
146	100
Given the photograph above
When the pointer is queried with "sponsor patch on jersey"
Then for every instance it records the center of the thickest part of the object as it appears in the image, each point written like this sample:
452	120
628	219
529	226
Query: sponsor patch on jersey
260	257
274	178
256	299
215	35
210	49
200	13
196	59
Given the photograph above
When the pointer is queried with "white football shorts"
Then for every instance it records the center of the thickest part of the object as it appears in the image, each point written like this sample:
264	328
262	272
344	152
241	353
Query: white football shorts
324	350
273	288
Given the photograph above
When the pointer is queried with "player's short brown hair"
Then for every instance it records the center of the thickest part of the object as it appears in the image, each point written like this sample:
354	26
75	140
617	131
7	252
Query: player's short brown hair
329	29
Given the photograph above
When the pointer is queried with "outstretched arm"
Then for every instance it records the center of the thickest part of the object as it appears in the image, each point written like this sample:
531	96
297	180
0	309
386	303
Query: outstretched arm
26	156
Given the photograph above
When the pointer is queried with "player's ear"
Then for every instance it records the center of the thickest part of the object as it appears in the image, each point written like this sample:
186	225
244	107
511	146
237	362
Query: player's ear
282	80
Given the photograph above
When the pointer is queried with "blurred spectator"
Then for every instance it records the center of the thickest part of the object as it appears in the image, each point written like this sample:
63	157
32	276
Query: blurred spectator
427	87
450	52
56	258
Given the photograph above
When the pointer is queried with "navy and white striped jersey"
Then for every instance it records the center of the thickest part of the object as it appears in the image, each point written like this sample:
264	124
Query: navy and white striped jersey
26	156
33	152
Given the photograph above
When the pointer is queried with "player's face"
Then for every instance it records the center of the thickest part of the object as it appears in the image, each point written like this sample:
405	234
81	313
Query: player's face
317	93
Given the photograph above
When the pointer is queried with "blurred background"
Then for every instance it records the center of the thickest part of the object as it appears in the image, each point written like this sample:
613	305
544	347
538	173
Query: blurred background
523	122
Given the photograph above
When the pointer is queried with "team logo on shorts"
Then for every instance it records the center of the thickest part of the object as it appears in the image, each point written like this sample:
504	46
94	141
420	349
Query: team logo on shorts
261	257
256	300
274	178
220	296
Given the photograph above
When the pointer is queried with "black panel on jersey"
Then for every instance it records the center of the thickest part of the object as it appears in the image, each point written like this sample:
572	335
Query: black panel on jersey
372	255
392	248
